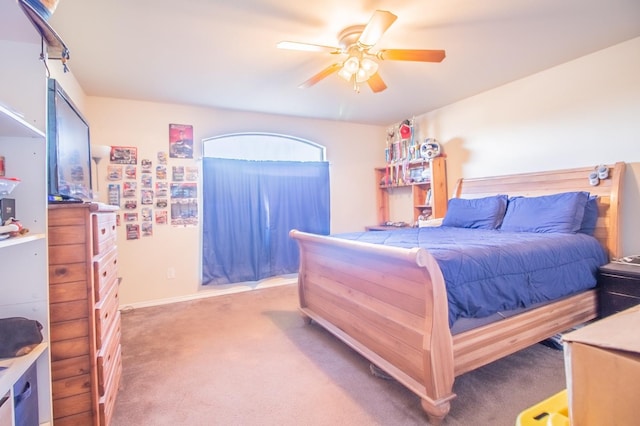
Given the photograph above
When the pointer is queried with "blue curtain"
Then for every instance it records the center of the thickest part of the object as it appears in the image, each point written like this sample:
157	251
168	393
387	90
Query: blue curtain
249	207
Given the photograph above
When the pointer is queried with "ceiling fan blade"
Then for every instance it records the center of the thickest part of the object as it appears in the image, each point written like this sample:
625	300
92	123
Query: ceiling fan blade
321	75
376	83
307	47
411	55
378	24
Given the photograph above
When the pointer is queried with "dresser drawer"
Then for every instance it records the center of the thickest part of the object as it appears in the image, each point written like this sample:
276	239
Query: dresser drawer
105	273
612	303
106	313
104	232
106	403
621	285
107	359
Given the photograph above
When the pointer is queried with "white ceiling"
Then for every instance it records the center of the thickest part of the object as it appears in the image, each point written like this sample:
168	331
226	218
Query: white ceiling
222	53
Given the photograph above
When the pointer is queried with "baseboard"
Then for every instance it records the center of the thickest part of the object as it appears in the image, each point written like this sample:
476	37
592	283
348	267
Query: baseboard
215	291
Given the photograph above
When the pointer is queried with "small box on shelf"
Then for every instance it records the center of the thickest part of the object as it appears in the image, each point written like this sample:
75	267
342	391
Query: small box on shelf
7	209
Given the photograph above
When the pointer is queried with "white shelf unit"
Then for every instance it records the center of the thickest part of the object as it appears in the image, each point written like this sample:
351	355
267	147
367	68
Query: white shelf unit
23	260
24	282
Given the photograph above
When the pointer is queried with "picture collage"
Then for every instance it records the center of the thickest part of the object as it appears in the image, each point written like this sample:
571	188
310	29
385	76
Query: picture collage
151	192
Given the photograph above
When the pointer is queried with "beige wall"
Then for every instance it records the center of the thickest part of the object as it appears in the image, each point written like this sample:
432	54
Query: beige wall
585	112
580	113
144	263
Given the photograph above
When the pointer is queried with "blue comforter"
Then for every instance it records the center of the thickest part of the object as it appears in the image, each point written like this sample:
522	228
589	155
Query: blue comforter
488	271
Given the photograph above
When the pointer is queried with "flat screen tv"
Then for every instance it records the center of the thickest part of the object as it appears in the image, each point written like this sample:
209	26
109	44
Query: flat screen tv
69	148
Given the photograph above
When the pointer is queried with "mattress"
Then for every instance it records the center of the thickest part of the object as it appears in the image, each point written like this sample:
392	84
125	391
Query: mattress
491	271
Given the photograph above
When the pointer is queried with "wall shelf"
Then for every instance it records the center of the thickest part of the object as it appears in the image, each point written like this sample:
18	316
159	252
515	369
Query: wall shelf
434	187
13	124
21	240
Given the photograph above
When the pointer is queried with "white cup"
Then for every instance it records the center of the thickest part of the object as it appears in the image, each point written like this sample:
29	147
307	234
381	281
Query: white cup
593	179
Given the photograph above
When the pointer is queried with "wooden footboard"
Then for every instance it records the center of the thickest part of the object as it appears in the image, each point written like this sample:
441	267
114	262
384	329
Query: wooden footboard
387	303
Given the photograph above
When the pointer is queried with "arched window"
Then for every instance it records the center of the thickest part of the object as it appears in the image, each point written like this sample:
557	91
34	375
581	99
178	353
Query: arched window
256	188
262	147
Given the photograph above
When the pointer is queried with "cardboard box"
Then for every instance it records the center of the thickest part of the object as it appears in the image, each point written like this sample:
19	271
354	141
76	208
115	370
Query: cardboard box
602	363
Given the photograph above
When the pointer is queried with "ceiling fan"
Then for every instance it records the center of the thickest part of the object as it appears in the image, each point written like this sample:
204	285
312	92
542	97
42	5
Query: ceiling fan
360	64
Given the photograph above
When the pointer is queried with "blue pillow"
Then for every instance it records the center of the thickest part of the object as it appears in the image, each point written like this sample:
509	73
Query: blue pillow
590	216
482	213
548	213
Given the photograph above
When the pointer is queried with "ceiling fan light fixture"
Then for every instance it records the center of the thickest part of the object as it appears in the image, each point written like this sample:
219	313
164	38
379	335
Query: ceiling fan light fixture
352	64
344	74
370	66
362	76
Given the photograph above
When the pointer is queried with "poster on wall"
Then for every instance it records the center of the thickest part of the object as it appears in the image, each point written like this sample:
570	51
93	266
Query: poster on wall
133	231
114	173
114	194
180	141
184	204
124	155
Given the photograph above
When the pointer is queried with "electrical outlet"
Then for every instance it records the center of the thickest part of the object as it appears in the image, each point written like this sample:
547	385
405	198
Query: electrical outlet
171	273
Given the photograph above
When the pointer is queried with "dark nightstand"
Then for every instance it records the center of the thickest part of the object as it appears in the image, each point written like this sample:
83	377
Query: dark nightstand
619	288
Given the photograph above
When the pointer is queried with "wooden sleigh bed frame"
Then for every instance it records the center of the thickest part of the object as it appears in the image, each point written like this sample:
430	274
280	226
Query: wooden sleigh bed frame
390	304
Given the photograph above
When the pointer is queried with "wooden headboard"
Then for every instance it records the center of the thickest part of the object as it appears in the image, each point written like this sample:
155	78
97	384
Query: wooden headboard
550	182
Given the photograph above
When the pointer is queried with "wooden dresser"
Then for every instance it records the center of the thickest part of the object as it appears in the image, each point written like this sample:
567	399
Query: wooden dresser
85	320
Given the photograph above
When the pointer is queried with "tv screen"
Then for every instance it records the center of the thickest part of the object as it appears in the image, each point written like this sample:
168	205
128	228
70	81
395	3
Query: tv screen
69	159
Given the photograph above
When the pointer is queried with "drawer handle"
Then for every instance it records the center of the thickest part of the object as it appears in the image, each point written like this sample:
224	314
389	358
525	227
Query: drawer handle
103	231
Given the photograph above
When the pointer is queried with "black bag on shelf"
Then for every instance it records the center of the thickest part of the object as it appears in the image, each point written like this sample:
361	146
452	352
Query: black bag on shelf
18	336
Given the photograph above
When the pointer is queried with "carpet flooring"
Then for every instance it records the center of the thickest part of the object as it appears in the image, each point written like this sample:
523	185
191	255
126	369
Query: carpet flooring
249	359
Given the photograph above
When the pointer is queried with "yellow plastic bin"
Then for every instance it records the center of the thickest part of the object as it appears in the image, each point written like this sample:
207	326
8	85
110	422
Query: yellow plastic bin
553	411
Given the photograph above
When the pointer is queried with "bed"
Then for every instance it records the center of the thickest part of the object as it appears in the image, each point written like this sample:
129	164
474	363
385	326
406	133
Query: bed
390	303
